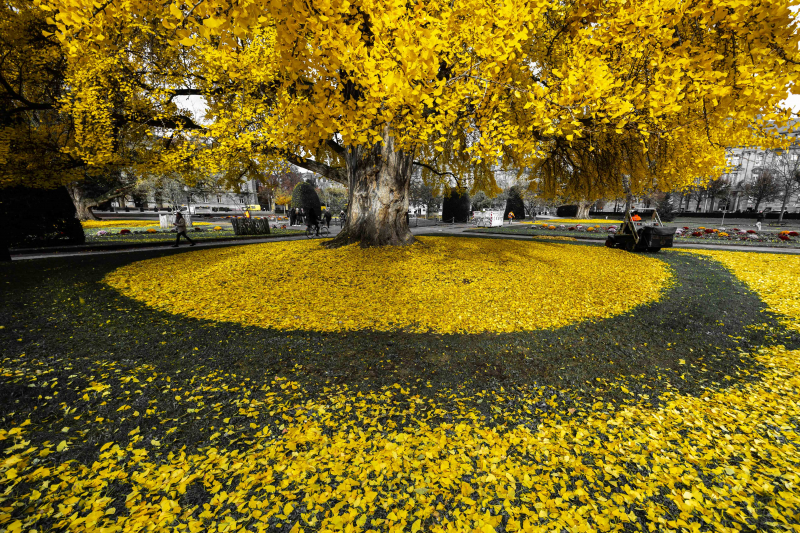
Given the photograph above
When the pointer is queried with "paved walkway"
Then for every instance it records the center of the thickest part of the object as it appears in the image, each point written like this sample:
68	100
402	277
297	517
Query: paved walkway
461	230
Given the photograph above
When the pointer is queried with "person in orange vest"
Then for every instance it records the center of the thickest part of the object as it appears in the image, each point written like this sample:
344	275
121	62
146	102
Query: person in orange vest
636	217
510	217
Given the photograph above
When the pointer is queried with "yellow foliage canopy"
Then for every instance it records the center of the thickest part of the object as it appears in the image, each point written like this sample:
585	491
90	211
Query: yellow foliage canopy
579	93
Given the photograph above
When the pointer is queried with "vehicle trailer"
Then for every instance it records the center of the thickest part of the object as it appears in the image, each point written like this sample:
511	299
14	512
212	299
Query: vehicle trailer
638	235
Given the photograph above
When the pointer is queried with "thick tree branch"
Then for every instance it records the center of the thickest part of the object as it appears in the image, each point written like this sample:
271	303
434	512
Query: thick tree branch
17	96
172	123
423	165
336	147
336	174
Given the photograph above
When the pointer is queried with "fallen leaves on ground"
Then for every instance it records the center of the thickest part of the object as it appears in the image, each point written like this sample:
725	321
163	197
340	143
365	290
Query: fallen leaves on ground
776	277
444	285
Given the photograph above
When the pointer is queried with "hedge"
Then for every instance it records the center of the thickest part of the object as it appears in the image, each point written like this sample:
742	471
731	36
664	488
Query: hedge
39	217
305	197
456	206
250	226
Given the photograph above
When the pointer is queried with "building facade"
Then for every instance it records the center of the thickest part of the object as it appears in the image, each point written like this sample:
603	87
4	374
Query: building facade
746	165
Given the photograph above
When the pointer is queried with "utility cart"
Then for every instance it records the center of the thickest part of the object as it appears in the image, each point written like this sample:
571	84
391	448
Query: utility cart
642	235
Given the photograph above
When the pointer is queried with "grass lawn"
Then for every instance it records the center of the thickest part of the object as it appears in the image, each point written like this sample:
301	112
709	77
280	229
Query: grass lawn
226	233
134	395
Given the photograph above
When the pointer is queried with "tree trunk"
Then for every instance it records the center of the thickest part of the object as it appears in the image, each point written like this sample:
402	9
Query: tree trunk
626	186
583	209
378	183
786	194
83	205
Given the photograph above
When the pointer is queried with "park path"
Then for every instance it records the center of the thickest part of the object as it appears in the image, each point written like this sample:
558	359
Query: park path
461	230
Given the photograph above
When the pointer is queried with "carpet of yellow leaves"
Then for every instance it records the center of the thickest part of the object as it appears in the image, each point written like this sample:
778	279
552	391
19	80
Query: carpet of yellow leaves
776	277
91	224
696	460
338	463
445	285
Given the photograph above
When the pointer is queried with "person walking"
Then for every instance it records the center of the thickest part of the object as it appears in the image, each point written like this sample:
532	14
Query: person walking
511	217
180	227
302	215
327	218
341	218
292	216
759	220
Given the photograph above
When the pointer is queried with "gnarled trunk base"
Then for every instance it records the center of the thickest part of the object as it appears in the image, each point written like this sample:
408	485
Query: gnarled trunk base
83	205
583	209
377	211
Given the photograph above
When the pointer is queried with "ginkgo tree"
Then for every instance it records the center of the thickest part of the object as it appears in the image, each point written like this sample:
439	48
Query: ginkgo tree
581	93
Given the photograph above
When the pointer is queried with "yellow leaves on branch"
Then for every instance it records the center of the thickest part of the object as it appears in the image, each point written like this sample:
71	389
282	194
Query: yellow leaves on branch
515	76
444	285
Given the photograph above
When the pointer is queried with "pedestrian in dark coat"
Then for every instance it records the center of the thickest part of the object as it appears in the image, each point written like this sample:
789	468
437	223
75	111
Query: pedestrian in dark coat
180	227
327	218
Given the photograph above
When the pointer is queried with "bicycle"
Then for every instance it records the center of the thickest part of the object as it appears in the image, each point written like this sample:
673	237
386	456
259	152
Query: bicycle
324	232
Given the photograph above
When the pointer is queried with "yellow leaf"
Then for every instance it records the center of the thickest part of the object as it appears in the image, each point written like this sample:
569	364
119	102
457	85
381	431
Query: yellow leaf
61	446
416	526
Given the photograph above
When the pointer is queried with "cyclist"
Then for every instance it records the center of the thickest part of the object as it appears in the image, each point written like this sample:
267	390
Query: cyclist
312	220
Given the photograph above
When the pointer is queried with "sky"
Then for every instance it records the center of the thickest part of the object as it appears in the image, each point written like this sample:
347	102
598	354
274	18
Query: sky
197	106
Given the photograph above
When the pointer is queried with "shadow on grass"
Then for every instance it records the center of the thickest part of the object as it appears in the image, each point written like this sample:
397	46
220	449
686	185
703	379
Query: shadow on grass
73	331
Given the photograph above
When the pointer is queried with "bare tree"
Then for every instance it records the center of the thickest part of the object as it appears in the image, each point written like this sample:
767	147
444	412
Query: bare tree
764	188
784	165
716	188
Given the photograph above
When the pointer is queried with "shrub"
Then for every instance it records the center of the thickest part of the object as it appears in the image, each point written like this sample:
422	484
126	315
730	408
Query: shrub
250	226
217	228
151	230
709	230
751	231
551	227
784	237
304	196
125	232
567	211
456	206
102	233
572	228
686	227
697	234
723	234
794	234
38	217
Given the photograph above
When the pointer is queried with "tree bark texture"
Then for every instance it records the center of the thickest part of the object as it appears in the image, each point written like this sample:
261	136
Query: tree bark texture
378	183
626	187
583	209
83	205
